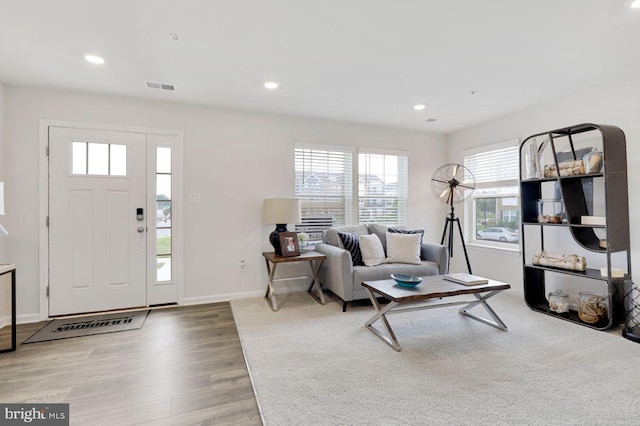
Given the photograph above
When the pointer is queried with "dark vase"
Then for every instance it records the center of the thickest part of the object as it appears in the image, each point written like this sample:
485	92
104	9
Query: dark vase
274	238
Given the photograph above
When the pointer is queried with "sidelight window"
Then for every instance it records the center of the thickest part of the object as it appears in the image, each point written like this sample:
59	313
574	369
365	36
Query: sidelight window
164	246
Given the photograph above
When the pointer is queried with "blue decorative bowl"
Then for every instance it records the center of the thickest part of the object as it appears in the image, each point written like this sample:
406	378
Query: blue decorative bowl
406	280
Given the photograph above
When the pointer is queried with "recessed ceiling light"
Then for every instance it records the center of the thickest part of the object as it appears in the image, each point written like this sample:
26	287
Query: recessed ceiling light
419	107
271	85
94	59
633	4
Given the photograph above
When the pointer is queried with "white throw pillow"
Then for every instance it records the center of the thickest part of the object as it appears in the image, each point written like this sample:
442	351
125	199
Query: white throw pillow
371	249
403	248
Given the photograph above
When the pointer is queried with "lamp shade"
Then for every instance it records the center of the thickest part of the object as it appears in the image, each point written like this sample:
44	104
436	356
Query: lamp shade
281	210
1	197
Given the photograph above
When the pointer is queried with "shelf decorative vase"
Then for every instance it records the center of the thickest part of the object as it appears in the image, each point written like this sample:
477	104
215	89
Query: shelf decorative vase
532	169
592	161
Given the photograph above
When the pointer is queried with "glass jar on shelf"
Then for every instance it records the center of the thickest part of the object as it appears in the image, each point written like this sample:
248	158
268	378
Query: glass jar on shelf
559	302
592	308
549	211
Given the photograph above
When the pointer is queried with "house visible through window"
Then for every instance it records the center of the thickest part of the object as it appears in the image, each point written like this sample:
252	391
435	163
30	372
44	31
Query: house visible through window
492	213
382	188
325	183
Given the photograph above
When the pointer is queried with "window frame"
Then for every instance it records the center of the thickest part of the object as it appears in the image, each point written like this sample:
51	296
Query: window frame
505	188
352	194
402	195
348	171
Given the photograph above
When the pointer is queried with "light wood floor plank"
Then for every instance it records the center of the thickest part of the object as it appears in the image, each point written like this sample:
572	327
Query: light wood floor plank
184	366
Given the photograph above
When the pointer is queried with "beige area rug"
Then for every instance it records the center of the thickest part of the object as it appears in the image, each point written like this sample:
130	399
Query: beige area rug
313	364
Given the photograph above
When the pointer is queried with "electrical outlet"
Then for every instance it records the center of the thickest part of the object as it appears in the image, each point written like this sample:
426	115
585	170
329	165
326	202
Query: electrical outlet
242	265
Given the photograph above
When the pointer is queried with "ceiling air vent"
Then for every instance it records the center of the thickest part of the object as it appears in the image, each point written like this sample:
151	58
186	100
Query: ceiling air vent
161	86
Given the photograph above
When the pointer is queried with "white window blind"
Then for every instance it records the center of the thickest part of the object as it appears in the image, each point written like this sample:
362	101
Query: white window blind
493	168
382	188
323	183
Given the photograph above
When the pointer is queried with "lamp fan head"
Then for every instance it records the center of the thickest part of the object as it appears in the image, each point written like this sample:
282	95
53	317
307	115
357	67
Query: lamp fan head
452	183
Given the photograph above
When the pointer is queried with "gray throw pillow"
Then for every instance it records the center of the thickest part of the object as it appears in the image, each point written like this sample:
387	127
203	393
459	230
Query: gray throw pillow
408	231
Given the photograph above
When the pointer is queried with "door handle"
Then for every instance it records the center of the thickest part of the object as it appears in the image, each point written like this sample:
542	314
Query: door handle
140	228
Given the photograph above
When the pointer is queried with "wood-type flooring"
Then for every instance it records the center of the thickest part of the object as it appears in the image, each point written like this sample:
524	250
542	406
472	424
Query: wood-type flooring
185	366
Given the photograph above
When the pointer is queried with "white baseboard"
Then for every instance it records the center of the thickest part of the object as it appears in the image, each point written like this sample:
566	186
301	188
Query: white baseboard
27	318
221	297
201	300
20	319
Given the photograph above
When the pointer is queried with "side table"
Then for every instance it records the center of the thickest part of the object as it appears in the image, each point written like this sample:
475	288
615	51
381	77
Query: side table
315	260
5	269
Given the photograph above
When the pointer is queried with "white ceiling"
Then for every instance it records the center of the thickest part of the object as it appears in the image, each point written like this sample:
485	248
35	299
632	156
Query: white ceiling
364	61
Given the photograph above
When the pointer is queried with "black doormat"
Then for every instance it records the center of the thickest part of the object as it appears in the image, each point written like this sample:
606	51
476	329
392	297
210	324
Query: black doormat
86	326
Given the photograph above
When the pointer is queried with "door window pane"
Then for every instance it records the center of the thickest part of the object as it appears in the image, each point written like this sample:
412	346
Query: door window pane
79	158
163	271
98	159
163	160
118	160
163	241
163	214
163	188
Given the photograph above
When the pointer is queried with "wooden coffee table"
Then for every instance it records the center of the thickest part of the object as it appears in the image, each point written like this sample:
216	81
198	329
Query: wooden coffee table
433	287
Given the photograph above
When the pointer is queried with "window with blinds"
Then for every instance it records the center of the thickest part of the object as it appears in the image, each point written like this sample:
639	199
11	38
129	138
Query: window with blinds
323	183
382	188
492	213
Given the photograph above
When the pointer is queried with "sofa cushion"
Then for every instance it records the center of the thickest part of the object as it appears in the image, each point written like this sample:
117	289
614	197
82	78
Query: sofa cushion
330	236
381	232
351	242
371	250
408	231
403	248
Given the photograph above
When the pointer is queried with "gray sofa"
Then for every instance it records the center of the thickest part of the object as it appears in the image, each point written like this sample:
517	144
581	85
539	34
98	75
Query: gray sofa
340	276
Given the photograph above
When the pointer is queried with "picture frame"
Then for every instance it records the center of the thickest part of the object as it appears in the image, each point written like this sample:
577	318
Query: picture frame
289	244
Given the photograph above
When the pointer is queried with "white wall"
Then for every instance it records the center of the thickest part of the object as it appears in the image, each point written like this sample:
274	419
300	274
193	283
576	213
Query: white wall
615	104
233	159
5	281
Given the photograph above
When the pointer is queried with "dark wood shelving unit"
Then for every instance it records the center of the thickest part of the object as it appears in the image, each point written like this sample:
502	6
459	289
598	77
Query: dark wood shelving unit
576	204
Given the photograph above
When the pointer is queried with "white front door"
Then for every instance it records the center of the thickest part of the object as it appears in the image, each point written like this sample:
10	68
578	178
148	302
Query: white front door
97	241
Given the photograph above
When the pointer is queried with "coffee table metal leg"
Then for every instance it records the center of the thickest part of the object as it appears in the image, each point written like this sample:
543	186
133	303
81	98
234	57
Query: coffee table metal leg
482	300
391	339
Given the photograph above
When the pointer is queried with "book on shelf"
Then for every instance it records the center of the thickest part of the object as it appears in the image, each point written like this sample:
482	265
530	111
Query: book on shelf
593	220
466	279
